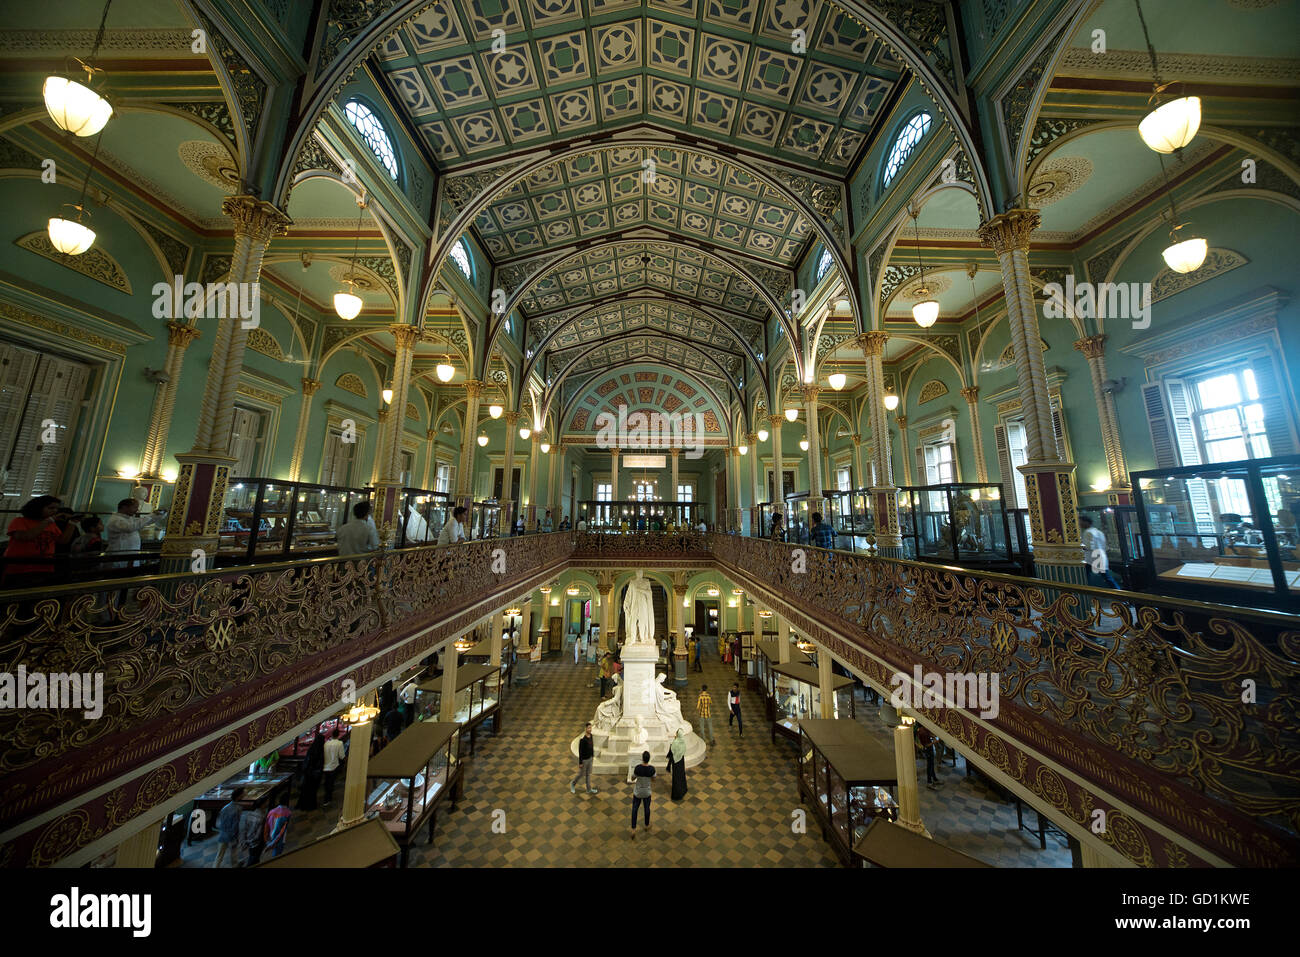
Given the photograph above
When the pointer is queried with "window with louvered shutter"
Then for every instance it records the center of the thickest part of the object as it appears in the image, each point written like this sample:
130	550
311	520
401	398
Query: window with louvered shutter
1277	420
1163	443
1004	465
40	398
336	463
246	441
1058	428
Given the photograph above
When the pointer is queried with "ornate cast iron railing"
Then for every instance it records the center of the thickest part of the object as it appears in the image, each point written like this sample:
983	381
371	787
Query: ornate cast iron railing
1167	684
175	650
640	545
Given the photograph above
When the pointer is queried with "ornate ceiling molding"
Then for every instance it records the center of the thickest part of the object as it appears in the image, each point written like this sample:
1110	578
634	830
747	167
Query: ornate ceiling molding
94	263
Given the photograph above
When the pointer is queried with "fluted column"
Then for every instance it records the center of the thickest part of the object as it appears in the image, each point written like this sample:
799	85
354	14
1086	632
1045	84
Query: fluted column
447	697
354	777
774	423
377	468
908	478
825	682
1049	482
782	640
971	394
386	503
613	478
196	511
469	442
179	337
909	802
884	494
554	495
755	495
508	464
1094	350
429	478
309	389
810	393
534	466
863	475
674	454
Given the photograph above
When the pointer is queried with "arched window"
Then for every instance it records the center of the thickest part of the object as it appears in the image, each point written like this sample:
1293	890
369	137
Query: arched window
824	263
373	132
461	256
904	143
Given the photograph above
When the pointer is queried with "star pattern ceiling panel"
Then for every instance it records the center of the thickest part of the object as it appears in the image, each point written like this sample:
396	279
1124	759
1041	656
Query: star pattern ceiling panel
619	269
620	317
723	68
665	351
619	188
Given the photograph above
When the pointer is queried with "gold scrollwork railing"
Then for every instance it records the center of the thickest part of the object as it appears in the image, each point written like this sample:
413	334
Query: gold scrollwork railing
1207	694
641	545
170	643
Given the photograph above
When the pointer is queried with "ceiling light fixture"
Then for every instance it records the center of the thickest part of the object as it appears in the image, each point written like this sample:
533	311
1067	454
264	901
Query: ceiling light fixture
803	444
837	380
445	370
482	440
1173	122
70	236
891	401
74	106
495	411
348	304
927	311
791	414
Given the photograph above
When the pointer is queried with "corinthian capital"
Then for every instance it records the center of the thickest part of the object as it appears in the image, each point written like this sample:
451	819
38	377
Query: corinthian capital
473	388
1093	347
1010	230
309	386
403	334
255	218
180	334
872	343
971	393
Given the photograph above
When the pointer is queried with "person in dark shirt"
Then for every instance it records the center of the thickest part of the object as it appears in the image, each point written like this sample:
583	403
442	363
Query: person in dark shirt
823	534
926	740
642	789
586	750
733	705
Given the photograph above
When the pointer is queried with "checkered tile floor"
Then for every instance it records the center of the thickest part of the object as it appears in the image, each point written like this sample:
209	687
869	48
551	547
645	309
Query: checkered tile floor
737	812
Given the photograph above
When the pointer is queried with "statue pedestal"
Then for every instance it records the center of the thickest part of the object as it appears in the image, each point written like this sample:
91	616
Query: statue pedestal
639	685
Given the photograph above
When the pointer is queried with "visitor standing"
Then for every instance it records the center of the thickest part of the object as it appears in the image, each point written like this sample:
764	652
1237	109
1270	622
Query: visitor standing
548	524
33	539
577	648
704	708
733	705
453	530
228	829
699	650
1094	555
823	535
642	789
582	522
926	740
91	538
677	765
313	766
359	535
778	527
251	823
277	826
333	758
586	752
123	527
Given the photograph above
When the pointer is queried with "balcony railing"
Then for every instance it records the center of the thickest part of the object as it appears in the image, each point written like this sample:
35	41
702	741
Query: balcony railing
1206	695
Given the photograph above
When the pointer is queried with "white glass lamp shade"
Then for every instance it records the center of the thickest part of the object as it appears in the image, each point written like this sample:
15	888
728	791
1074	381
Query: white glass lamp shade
762	435
495	411
1171	125
891	402
837	380
791	414
1186	256
803	444
525	432
482	440
388	395
743	450
445	371
545	447
74	107
347	305
69	236
925	313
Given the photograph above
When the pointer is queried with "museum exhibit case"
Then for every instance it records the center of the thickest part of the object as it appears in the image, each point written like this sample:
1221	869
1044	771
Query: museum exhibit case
268	520
850	516
794	693
886	844
263	790
481	654
409	779
1225	532
797	519
848	778
1119	523
479	689
365	845
484	520
959	523
423	514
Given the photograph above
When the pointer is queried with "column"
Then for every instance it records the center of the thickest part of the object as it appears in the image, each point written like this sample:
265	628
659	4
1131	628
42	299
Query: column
1049	482
672	497
529	624
377	468
774	423
810	393
179	337
680	679
494	638
826	682
354	781
783	640
858	463
755	495
1094	350
971	394
613	480
884	494
531	516
608	611
909	805
469	442
907	456
141	848
309	389
386	504
196	512
508	465
553	493
429	478
740	501
450	665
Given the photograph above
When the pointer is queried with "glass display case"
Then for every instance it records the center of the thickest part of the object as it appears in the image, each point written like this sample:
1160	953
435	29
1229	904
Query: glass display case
1119	523
763	527
297	748
962	523
262	791
479	688
1225	532
423	515
797	519
268	520
794	694
484	520
848	778
408	780
851	517
368	844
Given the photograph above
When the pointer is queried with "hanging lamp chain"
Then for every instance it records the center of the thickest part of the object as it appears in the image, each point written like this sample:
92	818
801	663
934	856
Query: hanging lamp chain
356	240
89	170
88	64
1151	51
916	231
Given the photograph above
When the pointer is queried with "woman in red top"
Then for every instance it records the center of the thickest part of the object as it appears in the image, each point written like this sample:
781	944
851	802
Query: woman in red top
33	534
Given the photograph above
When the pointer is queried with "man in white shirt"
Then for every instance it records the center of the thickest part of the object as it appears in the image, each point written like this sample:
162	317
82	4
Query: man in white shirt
333	758
582	523
453	530
359	535
122	530
702	527
417	528
1094	555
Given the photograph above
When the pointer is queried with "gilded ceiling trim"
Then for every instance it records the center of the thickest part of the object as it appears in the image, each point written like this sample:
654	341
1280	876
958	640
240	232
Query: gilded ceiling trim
95	263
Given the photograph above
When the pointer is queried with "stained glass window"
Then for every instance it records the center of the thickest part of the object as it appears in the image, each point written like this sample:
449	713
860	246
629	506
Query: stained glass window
824	264
373	132
905	143
461	256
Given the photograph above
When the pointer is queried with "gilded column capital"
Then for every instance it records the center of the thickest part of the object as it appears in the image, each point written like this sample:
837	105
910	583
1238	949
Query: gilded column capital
1093	347
512	418
971	393
309	386
404	334
674	452
181	334
902	421
255	218
872	343
775	422
810	391
857	439
473	388
430	435
752	439
614	451
1010	230
384	415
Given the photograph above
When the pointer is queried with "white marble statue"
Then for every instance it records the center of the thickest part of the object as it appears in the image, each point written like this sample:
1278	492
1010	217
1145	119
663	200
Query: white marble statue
668	709
640	736
639	611
610	710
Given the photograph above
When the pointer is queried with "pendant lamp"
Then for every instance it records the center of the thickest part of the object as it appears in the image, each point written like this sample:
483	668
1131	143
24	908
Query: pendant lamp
1173	120
927	311
76	107
348	304
70	236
